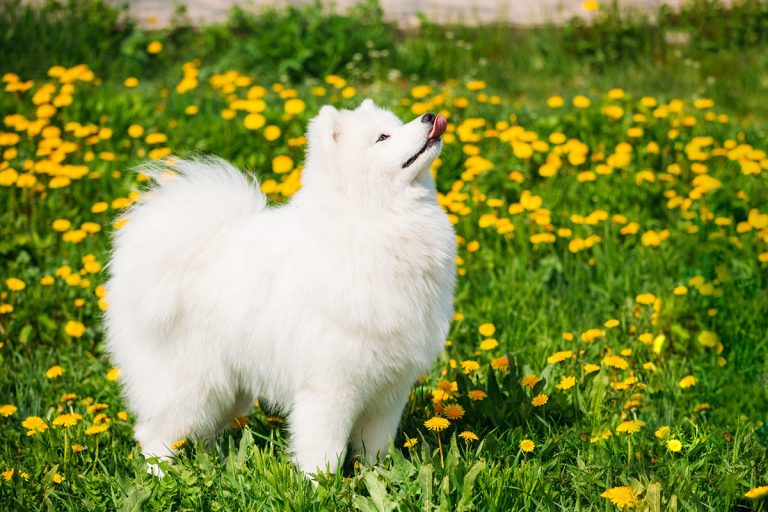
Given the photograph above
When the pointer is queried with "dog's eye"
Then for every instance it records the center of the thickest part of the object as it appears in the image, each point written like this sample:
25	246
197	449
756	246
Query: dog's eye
382	137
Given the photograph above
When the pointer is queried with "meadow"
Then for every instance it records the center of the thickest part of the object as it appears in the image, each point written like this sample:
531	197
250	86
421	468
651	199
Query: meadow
609	188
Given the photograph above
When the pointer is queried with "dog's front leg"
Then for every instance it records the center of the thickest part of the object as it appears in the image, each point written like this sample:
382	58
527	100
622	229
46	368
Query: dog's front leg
377	425
319	424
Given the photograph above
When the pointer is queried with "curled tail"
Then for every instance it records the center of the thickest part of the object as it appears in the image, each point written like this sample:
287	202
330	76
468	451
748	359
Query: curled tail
191	204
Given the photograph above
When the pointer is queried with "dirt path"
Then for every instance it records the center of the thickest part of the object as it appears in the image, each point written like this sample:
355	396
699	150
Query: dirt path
518	12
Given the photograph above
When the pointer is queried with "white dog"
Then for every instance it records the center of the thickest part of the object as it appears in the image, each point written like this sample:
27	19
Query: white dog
328	308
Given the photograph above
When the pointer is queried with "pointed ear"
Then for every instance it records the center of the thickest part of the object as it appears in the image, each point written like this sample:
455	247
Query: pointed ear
367	104
323	130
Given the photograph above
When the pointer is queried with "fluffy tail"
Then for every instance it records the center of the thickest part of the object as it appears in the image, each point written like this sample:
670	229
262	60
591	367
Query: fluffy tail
192	204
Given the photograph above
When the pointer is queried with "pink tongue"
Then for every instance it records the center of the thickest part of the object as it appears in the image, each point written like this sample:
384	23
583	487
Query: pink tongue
439	127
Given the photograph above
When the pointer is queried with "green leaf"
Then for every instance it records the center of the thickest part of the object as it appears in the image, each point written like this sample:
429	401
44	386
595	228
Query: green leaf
465	503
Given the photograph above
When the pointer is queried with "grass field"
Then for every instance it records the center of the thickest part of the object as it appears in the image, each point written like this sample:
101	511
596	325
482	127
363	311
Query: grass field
610	345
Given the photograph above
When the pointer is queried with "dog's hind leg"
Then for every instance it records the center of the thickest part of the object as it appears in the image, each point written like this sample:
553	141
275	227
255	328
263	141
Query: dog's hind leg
155	443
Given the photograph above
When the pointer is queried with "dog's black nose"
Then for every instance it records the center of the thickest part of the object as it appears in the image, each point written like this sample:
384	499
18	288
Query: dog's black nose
428	118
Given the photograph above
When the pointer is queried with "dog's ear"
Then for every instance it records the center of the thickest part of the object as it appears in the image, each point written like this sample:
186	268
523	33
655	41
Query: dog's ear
323	130
367	104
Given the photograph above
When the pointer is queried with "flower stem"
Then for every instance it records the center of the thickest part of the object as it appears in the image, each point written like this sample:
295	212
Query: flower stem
440	445
66	446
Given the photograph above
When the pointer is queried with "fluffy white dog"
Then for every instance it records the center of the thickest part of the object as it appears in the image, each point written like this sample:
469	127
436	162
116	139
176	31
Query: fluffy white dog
328	308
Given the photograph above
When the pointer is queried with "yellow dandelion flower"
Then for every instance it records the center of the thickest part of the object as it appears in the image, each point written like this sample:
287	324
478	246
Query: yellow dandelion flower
74	329
453	411
96	429
410	443
282	164
477	394
154	47
14	284
468	436
500	363
622	497
254	121
272	132
645	299
487	330
630	427
57	478
476	85
530	380
470	366
61	225
155	138
559	356
447	385
581	102
67	420
591	335
590	368
489	344
439	395
527	445
421	91
708	339
555	102
601	436
34	425
687	381
54	371
437	424
674	445
757	492
610	324
7	410
135	131
8	474
662	432
95	408
77	448
566	382
113	374
294	106
616	362
539	400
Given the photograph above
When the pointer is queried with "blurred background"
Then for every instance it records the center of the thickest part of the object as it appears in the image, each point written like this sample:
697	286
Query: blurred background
529	48
407	13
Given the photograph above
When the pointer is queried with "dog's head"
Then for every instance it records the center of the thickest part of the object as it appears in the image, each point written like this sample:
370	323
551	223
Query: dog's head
369	149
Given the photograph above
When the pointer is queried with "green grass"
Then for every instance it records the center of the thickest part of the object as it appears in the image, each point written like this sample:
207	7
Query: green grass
534	292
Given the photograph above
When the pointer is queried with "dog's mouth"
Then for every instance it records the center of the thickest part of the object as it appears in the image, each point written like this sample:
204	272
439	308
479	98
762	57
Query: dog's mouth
438	128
